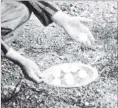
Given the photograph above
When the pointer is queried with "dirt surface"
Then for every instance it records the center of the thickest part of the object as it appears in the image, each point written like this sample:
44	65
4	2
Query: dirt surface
50	45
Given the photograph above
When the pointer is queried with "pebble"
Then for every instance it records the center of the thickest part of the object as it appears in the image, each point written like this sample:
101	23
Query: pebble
86	103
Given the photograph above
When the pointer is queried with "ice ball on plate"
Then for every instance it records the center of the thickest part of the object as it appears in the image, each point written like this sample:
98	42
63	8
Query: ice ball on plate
69	79
56	82
74	68
66	69
82	74
57	73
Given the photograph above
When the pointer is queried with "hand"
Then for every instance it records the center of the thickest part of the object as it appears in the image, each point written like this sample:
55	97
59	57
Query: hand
29	67
32	71
74	27
78	31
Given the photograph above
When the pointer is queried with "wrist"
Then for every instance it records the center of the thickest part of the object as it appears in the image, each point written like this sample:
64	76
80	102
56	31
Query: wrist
15	56
60	18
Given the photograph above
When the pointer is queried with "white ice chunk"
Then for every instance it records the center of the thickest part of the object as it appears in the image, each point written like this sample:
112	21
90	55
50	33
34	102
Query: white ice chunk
56	81
57	73
82	74
69	79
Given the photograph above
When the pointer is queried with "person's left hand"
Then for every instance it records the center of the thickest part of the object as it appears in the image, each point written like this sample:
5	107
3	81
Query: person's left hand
31	70
78	31
29	67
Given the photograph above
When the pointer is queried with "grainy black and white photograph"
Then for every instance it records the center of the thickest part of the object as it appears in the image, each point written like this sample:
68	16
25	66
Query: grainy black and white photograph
59	54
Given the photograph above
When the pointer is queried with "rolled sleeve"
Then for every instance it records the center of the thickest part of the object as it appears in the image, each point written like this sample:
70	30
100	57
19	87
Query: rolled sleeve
44	11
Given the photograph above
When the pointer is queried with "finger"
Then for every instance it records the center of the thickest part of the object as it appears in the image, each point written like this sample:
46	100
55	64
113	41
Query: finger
35	78
39	74
88	32
37	71
88	43
91	37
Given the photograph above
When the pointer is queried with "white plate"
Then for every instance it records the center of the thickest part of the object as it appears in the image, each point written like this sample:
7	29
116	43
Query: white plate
70	75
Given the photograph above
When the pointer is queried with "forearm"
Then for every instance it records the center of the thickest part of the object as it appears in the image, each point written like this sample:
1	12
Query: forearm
15	56
12	54
60	18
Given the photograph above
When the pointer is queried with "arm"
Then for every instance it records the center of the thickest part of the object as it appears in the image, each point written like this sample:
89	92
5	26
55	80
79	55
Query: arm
48	13
74	27
13	15
11	53
29	67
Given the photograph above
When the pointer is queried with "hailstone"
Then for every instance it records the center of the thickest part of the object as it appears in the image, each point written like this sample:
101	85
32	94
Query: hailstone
69	79
66	69
56	81
74	68
82	74
57	73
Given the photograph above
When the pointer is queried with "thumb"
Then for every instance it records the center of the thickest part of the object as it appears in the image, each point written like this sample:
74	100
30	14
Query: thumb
35	78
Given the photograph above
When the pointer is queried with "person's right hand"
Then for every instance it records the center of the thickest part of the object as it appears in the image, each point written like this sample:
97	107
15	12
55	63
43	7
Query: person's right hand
78	31
74	27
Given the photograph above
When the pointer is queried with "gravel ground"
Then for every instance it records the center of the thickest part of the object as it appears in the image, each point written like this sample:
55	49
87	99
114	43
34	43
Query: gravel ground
50	45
